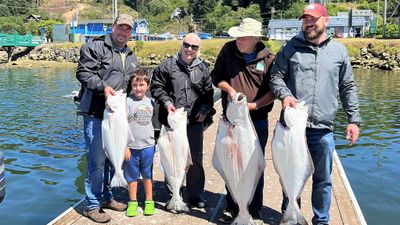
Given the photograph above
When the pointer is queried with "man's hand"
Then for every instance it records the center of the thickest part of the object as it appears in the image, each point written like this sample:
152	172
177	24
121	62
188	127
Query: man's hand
289	101
200	117
170	108
252	106
352	133
127	154
231	93
108	91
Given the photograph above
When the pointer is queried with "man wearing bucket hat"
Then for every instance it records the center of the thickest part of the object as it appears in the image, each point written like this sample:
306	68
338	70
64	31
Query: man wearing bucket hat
105	66
314	68
243	65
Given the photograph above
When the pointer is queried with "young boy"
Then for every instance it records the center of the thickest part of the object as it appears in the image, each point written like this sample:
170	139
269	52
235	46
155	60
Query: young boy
140	152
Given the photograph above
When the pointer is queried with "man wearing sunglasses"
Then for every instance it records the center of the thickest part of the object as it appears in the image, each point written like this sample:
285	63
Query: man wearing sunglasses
183	81
243	65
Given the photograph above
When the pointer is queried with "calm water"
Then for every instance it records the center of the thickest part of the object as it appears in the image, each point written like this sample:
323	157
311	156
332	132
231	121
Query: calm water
43	145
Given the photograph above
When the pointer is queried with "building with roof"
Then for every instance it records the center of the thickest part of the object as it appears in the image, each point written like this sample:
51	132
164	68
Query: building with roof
83	29
285	29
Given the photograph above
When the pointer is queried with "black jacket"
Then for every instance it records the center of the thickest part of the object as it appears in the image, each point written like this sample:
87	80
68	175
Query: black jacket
187	86
100	65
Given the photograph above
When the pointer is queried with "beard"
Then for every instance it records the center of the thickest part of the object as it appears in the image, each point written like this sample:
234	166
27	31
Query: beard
313	34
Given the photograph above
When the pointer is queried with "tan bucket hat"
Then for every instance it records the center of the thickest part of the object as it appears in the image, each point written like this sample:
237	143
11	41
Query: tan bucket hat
248	27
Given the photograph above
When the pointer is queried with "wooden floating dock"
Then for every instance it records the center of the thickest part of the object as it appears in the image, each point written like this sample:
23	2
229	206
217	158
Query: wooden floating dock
344	209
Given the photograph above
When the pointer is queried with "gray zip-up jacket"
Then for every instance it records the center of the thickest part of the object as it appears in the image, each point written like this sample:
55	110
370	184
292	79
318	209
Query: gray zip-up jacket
101	65
316	75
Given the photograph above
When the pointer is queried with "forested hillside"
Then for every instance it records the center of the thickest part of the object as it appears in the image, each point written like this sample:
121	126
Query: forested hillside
212	16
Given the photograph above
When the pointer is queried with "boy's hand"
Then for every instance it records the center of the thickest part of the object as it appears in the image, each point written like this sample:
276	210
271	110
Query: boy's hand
127	154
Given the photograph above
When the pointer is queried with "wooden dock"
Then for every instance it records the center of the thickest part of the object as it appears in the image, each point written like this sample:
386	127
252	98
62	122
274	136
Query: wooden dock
344	208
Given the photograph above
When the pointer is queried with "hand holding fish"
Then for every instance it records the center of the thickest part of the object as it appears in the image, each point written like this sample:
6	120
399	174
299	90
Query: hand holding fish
127	154
109	91
170	108
200	117
352	133
289	101
252	106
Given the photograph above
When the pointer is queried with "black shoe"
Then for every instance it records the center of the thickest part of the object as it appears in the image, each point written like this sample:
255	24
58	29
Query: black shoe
198	202
226	217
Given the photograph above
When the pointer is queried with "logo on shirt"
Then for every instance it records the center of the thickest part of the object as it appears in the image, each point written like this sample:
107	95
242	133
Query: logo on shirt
142	115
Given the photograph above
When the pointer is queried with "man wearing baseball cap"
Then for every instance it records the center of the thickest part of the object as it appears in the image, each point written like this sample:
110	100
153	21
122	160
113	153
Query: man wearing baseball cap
314	68
105	66
243	65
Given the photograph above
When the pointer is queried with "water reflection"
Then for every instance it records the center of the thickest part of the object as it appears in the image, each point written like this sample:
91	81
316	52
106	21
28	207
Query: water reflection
372	164
42	142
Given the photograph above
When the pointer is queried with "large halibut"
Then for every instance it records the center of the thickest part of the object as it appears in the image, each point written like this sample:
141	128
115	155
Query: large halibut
174	156
292	160
238	157
115	132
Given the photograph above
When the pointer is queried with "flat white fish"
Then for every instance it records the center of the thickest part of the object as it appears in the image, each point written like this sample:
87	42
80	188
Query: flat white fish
238	157
175	159
292	159
115	133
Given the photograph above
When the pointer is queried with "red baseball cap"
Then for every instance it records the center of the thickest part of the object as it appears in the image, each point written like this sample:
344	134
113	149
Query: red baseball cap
315	10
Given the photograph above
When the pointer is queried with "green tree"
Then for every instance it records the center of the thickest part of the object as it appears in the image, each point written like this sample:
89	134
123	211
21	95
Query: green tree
15	7
199	8
11	25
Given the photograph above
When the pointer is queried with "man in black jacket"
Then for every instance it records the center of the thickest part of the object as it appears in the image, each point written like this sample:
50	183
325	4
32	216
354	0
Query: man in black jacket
105	66
183	81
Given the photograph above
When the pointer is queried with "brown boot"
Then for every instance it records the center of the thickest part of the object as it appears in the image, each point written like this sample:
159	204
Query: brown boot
97	215
114	205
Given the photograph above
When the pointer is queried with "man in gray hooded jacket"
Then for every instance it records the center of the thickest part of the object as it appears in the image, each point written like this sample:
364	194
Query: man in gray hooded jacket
313	68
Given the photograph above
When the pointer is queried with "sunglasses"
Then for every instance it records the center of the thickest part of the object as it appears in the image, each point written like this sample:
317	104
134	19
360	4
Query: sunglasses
187	45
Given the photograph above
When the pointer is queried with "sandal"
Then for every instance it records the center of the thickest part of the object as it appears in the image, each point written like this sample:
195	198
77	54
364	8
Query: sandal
149	208
132	209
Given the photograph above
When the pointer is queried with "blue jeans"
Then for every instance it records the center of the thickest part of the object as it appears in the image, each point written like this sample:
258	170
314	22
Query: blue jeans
261	127
321	145
99	168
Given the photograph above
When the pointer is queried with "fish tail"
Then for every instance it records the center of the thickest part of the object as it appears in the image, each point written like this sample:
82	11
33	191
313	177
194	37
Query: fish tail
292	215
243	218
176	204
118	180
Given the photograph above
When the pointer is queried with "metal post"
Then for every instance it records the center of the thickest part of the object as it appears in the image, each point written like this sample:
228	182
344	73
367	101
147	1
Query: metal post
114	10
384	18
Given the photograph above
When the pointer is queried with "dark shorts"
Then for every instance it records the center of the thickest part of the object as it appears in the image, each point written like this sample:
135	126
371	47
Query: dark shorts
141	162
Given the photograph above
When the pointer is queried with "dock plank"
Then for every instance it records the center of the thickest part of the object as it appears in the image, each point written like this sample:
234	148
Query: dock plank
342	208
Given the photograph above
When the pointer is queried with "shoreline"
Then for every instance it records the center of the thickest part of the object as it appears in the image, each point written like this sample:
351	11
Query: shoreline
27	63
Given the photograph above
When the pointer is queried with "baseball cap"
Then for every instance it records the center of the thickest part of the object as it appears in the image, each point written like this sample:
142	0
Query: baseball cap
124	19
315	10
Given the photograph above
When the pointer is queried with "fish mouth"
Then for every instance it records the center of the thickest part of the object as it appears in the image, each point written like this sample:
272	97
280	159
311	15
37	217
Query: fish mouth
239	98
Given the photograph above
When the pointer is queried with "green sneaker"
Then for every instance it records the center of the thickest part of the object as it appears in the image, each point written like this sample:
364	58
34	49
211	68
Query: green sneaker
132	209
149	208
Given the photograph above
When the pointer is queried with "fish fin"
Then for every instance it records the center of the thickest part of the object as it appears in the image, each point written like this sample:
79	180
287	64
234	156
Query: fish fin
176	204
293	216
118	180
243	218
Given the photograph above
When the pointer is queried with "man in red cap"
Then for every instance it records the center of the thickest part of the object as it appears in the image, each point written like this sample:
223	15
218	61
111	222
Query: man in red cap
314	68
